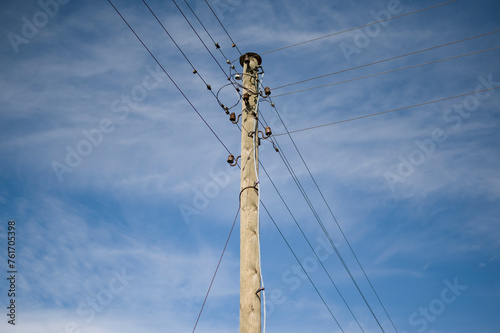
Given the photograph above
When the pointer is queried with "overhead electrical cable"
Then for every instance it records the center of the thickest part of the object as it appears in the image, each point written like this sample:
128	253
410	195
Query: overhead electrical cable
387	72
225	30
168	75
388	111
206	47
300	264
318	218
355	28
201	40
384	60
195	71
290	248
217	268
261	115
325	231
310	245
333	215
208	33
179	48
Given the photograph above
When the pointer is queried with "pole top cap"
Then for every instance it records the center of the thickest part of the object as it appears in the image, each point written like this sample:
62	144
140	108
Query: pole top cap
249	55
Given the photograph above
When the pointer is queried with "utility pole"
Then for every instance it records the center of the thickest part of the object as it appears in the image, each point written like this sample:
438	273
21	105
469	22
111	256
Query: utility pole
250	281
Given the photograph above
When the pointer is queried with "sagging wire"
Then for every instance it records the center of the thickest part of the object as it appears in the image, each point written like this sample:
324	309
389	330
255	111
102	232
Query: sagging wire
226	108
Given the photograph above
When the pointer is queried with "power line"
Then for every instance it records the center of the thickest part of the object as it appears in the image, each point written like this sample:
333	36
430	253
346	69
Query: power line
307	240
384	112
201	40
333	215
309	243
217	268
297	181
177	45
222	25
359	27
185	56
384	60
195	71
298	261
390	71
166	73
208	33
213	57
325	231
293	252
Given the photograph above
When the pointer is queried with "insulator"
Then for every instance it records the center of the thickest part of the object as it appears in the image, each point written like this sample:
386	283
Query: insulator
232	117
226	109
209	87
267	91
232	67
217	45
230	159
268	131
272	104
247	59
195	71
233	45
246	97
227	61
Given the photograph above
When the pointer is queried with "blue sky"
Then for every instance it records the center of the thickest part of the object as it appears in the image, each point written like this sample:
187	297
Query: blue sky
102	157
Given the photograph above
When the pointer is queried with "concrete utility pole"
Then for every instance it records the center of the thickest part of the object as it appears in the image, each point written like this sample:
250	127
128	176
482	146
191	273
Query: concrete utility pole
250	312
